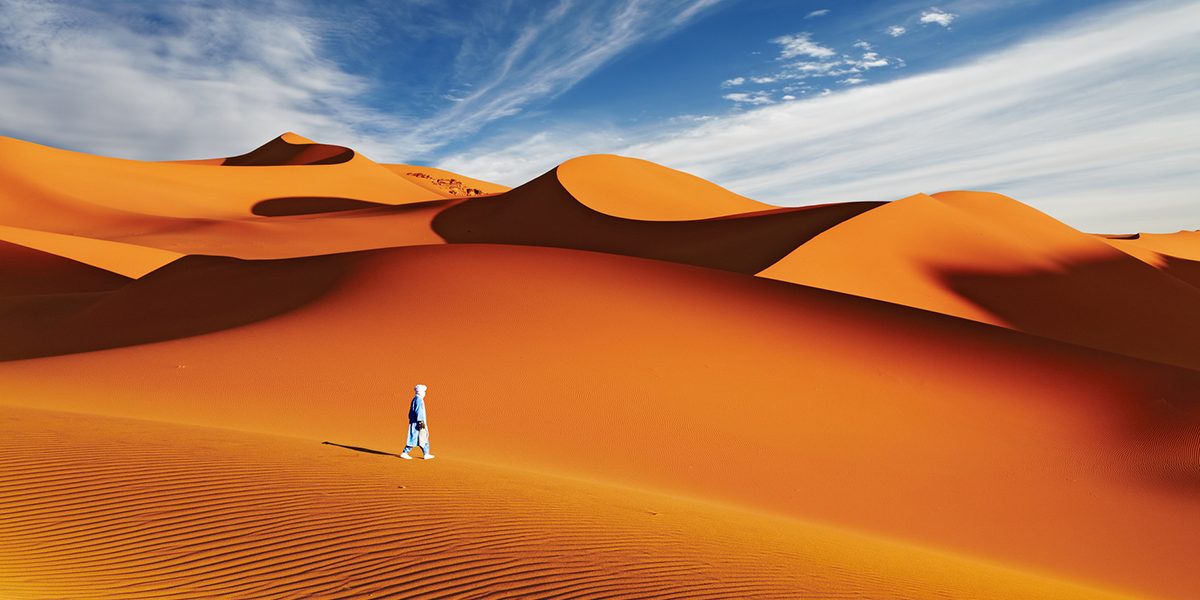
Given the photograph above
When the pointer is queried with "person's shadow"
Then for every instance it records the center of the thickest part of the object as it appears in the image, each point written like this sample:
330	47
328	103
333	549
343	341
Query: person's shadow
357	449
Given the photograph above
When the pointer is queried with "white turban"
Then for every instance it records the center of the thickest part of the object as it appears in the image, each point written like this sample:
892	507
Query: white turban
420	389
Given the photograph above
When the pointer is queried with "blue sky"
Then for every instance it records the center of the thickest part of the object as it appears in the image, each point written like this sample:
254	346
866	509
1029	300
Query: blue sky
1087	110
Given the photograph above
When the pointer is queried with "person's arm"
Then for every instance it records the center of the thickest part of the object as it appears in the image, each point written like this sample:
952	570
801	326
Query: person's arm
421	412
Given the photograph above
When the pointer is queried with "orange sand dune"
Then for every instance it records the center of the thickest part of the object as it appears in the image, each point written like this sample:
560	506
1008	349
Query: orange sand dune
991	259
74	204
632	188
718	385
110	507
303	208
544	212
34	173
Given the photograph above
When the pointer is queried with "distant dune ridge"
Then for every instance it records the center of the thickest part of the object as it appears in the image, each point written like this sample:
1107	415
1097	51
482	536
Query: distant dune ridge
640	384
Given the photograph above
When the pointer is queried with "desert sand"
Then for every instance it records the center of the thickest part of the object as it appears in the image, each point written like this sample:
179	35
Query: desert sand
640	384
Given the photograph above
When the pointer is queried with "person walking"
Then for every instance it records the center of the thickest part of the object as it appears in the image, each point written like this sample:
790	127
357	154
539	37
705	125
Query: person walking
418	431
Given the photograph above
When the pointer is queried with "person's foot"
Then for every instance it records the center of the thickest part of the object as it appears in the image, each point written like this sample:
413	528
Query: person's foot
405	456
428	456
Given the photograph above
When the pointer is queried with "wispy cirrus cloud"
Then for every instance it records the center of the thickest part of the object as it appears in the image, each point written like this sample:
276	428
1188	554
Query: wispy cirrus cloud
171	80
1093	122
553	54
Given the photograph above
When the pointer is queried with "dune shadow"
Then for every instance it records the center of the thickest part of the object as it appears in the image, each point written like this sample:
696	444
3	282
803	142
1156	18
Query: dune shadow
298	206
364	450
543	213
279	152
190	296
1187	271
1116	304
309	205
25	271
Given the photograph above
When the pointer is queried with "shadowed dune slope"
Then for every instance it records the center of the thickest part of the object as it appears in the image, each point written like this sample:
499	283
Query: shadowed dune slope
707	384
989	258
632	188
98	507
25	271
544	213
191	296
1175	253
130	260
291	149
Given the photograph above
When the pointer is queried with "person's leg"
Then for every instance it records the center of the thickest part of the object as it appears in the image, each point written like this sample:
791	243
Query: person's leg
412	440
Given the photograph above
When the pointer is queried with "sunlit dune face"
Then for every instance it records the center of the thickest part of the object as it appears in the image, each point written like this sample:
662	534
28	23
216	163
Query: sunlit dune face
637	189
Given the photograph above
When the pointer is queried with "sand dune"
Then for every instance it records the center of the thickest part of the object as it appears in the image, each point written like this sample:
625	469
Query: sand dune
989	258
303	291
202	209
99	507
584	352
187	191
544	212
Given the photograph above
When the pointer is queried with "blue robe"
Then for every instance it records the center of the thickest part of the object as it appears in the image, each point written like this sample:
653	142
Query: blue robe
416	412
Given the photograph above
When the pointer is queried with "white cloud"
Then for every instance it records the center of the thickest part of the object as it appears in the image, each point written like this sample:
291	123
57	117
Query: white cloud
763	79
897	30
817	13
220	78
733	82
812	68
863	45
851	80
222	83
801	44
939	16
870	60
789	97
753	98
1093	122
